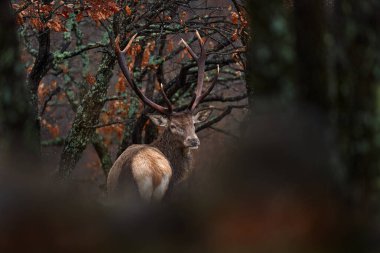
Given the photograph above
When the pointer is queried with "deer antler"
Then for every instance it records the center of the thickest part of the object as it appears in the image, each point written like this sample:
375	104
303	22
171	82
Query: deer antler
123	66
201	62
166	99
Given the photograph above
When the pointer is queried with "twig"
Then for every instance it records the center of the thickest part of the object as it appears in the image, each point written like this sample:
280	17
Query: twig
54	142
221	116
52	94
110	124
224	132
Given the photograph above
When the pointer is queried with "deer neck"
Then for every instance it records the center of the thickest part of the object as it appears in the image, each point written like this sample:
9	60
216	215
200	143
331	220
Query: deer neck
178	156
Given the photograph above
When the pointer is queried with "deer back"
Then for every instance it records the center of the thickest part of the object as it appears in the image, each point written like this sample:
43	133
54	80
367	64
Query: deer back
135	164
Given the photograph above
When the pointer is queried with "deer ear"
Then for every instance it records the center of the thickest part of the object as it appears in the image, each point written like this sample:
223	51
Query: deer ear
202	116
158	120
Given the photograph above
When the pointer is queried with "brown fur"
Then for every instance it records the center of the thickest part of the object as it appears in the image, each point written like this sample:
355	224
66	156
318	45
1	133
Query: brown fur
150	161
169	155
179	156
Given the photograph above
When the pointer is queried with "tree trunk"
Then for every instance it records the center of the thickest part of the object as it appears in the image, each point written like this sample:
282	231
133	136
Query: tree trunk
310	30
102	152
41	66
19	141
86	118
270	64
357	77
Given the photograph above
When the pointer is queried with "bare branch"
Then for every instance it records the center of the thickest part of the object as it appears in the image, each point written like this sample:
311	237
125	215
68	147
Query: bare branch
224	132
221	116
52	94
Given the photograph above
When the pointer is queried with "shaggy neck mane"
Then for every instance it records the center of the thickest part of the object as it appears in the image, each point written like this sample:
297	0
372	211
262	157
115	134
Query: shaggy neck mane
178	156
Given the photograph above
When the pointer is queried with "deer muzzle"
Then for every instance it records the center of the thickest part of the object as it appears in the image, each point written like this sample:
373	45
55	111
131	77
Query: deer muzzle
192	142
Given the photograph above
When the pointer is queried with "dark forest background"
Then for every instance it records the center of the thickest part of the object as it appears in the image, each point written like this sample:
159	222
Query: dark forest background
303	174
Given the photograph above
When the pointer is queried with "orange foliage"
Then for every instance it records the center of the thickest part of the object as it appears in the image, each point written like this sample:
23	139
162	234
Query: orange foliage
52	129
120	86
170	46
44	90
234	18
146	56
53	15
90	79
37	24
235	35
128	10
101	10
56	25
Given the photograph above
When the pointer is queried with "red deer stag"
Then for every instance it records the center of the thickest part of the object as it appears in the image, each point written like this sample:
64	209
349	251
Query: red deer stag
157	167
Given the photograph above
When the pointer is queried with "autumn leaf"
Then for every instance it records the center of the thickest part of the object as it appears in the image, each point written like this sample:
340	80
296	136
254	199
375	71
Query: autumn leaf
97	10
79	17
134	50
151	46
42	92
90	79
104	118
146	56
113	6
53	84
128	10
19	19
53	130
235	35
56	25
234	18
119	132
170	46
37	24
120	86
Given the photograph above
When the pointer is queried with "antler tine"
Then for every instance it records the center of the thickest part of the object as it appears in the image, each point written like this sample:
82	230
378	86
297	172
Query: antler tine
201	61
123	66
192	53
199	37
214	81
166	99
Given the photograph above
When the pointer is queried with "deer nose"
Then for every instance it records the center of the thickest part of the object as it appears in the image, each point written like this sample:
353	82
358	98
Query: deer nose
192	142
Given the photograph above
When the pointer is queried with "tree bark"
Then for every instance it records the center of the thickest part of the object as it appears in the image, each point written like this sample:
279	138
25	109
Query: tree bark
87	116
102	152
41	66
19	141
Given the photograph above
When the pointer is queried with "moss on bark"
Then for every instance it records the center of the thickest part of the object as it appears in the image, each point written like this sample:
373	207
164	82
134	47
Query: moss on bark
86	117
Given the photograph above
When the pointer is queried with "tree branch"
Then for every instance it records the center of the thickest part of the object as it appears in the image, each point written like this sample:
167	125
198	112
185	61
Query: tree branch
221	116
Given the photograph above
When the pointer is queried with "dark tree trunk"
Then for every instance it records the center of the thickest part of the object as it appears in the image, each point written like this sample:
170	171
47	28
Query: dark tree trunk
41	66
357	41
270	65
310	30
102	152
19	141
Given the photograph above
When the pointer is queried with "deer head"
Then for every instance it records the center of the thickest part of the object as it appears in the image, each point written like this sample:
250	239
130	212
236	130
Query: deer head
179	124
181	127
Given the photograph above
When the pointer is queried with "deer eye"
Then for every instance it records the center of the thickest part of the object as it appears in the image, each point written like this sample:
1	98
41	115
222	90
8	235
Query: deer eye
176	129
